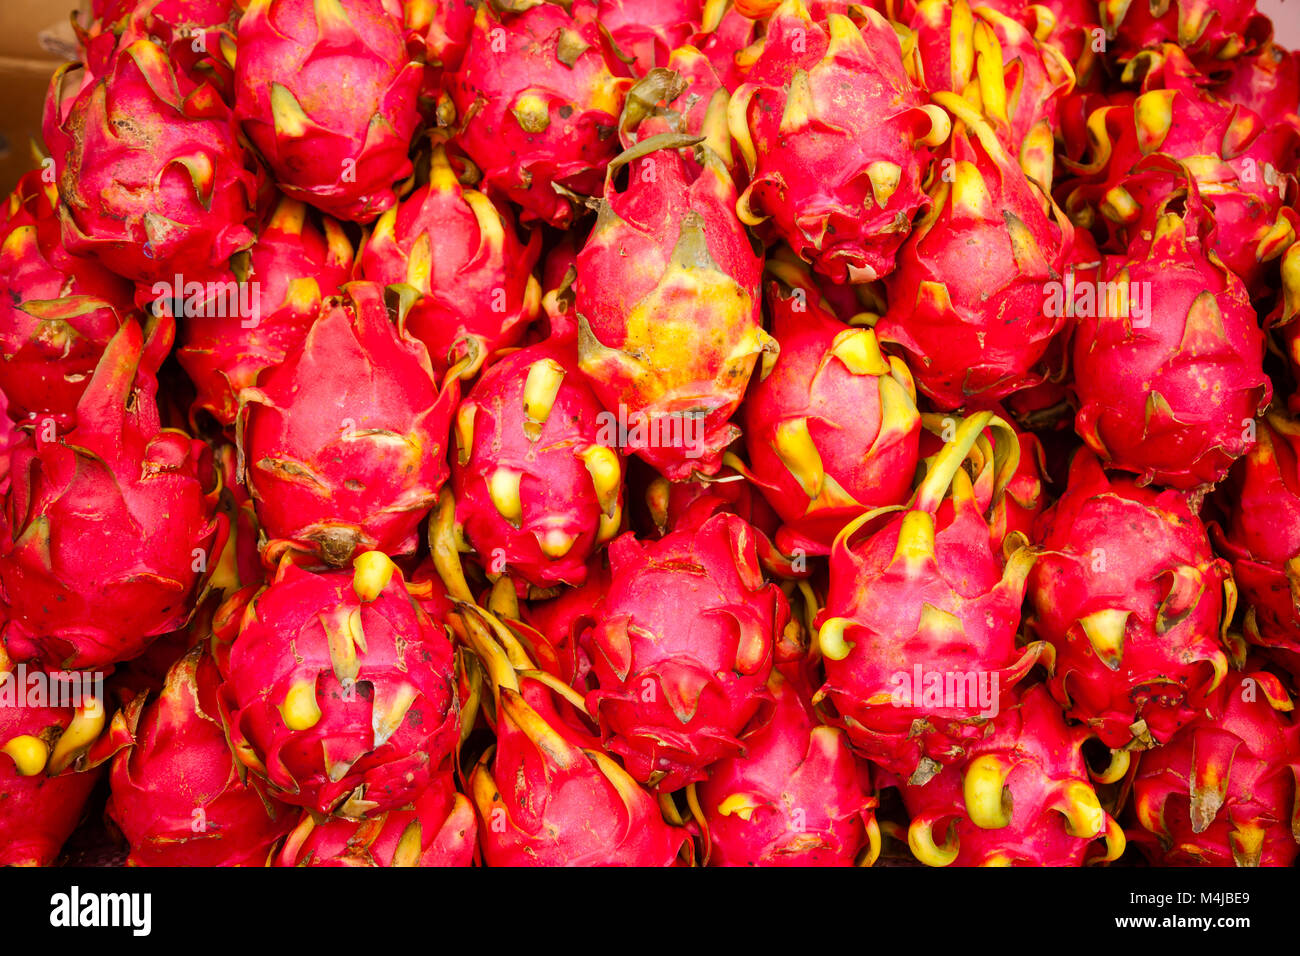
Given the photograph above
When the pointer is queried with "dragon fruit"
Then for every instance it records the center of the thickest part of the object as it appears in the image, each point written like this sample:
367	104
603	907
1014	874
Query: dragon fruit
536	491
682	649
51	758
345	443
1223	790
1020	798
832	430
291	269
919	628
1131	597
113	527
438	829
338	689
669	345
537	99
648	32
341	153
546	793
176	795
459	250
1262	533
555	627
57	312
797	797
152	179
836	138
1168	370
1267	83
1211	29
979	333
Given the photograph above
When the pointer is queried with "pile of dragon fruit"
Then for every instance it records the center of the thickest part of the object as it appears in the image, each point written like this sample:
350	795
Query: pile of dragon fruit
655	432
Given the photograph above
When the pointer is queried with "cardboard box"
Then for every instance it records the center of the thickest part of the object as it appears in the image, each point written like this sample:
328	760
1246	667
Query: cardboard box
35	37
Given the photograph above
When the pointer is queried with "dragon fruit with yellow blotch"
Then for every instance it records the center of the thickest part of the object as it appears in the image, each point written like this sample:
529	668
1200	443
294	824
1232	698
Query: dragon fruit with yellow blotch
460	251
1131	597
439	828
1021	797
832	429
537	98
920	624
836	137
292	268
339	151
797	797
1224	790
546	793
139	497
338	689
344	444
536	491
681	650
1168	372
969	303
667	301
177	796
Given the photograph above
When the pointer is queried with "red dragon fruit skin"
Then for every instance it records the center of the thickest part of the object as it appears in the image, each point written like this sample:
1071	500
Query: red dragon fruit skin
460	251
668	304
1261	536
438	829
835	136
57	312
832	430
292	268
340	153
536	491
1214	30
650	30
338	689
1130	595
682	649
1267	83
138	497
1021	797
1171	393
979	333
537	100
1223	790
797	797
345	443
152	179
176	794
920	595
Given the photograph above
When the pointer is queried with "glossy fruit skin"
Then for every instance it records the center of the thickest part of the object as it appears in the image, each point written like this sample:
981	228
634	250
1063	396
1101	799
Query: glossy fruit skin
1131	597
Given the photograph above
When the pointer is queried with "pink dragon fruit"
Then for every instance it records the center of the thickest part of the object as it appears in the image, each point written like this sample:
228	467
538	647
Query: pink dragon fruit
438	829
1131	597
338	689
1212	29
341	153
682	649
1020	798
796	797
669	345
555	627
648	31
176	795
459	250
1267	83
51	757
57	312
832	430
536	491
919	628
1223	790
546	793
1168	375
836	138
345	443
537	99
291	269
113	527
979	332
1262	534
152	179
